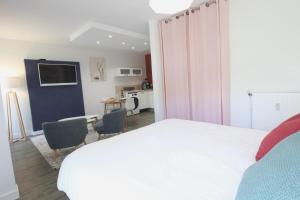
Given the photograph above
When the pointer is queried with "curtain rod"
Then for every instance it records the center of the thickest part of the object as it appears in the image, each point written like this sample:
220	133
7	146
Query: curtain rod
186	12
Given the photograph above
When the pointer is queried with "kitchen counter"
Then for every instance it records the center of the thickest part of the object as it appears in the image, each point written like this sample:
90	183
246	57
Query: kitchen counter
145	97
148	90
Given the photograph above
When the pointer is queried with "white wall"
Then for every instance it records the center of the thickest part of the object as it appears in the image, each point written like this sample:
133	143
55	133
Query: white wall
265	51
13	53
271	109
8	187
157	71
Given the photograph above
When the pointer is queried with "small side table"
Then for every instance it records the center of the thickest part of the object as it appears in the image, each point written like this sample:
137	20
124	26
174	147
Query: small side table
115	103
91	119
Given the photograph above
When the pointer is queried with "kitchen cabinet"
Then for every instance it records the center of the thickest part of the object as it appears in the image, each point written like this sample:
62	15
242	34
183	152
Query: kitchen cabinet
150	99
146	99
123	72
148	67
143	99
129	72
136	72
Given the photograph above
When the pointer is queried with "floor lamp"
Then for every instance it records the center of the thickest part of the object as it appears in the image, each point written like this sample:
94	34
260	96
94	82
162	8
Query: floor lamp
12	98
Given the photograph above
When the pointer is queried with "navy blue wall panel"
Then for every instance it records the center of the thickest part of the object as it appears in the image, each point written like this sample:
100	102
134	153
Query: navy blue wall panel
52	103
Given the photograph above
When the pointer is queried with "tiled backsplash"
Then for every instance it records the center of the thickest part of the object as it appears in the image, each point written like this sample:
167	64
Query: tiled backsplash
121	88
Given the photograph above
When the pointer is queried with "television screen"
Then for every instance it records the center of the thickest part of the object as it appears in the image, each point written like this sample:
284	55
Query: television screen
57	74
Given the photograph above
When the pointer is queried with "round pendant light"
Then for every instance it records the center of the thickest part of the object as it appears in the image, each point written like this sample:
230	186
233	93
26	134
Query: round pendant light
169	6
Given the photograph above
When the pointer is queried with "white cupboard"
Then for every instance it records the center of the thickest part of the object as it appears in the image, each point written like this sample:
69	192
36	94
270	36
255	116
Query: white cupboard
150	99
123	72
146	99
143	99
136	72
129	72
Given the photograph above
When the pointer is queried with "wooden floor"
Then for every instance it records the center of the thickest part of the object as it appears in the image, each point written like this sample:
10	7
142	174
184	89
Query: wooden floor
36	179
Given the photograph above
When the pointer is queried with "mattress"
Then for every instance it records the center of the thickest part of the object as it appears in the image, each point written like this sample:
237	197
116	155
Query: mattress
172	159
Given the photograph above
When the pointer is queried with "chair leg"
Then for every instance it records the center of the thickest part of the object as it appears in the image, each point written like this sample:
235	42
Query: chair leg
55	154
94	128
125	122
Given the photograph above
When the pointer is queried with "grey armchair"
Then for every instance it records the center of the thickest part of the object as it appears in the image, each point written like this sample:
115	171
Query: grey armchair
65	134
113	122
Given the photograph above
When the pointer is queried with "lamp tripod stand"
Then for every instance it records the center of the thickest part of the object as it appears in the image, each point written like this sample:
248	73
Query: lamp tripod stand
11	96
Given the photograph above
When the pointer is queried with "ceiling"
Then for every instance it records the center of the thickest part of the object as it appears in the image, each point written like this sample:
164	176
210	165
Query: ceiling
56	21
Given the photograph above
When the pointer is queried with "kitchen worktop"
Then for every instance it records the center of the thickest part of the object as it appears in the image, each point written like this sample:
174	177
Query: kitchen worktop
147	90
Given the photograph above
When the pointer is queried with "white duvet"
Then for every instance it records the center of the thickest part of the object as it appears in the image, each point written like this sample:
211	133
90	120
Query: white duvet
169	160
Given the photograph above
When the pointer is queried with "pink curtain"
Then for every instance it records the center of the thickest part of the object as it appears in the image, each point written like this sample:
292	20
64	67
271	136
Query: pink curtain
205	70
175	67
196	64
223	17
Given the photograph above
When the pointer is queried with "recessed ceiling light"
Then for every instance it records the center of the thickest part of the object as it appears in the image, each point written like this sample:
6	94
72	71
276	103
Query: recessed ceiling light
123	43
169	6
145	43
133	48
98	42
110	36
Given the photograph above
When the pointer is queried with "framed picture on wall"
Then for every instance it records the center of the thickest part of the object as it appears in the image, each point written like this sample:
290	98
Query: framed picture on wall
97	68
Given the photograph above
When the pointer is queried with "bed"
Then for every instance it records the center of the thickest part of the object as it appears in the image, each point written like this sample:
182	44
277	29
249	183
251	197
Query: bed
171	159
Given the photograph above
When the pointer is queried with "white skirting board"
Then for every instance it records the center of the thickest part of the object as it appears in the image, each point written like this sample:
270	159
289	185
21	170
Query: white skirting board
35	133
11	195
28	133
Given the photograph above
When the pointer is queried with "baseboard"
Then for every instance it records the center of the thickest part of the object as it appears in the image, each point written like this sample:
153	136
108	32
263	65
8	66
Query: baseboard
11	195
28	133
35	133
31	133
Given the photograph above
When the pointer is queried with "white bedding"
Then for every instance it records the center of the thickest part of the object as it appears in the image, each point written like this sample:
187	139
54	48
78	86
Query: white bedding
169	160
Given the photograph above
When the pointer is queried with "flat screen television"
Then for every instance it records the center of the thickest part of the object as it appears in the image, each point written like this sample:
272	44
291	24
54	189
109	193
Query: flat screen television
57	74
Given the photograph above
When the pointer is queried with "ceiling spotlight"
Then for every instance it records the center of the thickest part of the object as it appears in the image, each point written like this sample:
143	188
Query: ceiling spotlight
133	48
145	43
123	43
98	42
169	6
110	36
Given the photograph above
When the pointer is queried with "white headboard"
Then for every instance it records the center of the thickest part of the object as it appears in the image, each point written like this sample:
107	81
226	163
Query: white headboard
268	109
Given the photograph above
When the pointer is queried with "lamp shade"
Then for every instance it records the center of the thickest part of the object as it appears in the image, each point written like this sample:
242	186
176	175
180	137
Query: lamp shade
169	6
13	82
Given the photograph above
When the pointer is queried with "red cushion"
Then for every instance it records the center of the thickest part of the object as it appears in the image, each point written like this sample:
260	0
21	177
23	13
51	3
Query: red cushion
292	118
277	135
